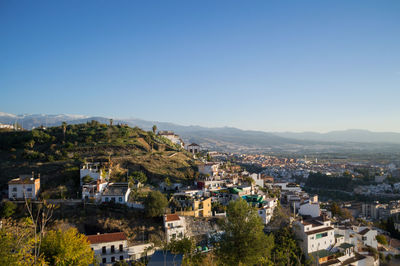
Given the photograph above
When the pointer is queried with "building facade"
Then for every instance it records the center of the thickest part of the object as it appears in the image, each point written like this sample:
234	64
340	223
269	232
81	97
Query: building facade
26	186
174	227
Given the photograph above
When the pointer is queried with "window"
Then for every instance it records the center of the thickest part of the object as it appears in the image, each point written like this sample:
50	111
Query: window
321	235
112	259
120	199
104	260
106	199
14	189
364	238
103	250
121	257
113	199
121	248
112	249
29	189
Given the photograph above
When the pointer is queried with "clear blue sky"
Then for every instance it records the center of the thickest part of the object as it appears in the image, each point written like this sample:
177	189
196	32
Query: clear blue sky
262	65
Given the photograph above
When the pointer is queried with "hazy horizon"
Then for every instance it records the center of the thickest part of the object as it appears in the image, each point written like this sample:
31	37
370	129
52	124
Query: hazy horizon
269	66
80	116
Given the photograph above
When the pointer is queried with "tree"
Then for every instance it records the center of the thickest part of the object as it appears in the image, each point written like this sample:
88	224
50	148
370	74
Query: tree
67	248
154	129
244	242
183	246
381	240
286	250
16	244
111	122
167	182
64	127
87	179
8	209
138	176
335	209
38	219
155	204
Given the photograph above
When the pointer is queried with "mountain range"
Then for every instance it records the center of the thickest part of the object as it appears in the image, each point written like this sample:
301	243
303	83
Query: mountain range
234	139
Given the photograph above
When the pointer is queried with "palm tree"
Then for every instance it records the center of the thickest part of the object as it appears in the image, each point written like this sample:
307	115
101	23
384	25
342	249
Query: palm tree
154	129
111	122
64	127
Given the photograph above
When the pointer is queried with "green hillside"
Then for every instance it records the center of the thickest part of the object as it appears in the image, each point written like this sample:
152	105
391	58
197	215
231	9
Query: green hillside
57	152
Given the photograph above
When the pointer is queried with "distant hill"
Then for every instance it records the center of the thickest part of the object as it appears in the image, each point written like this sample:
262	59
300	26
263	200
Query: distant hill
351	135
57	157
236	140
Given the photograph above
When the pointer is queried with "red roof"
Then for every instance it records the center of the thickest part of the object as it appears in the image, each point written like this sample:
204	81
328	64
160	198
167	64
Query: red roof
103	238
171	217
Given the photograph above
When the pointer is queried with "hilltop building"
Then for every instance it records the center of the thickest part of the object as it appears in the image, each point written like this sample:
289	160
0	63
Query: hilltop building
172	137
193	148
25	186
95	171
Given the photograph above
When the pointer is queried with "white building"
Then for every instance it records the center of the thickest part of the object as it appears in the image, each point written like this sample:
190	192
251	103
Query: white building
26	186
359	236
6	126
288	186
174	227
210	169
267	210
193	148
172	137
93	190
316	234
110	247
94	171
116	192
258	180
310	207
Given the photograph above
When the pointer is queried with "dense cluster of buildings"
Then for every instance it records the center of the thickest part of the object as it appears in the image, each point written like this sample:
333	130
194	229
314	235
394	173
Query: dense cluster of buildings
323	239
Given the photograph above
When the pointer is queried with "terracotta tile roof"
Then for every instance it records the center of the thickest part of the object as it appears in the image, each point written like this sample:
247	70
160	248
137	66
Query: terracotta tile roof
103	238
171	217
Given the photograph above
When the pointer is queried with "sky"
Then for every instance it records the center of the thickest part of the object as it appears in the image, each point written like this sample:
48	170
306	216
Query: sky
259	65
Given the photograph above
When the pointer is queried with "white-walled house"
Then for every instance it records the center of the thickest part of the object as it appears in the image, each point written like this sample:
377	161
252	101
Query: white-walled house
174	227
93	190
368	236
116	192
258	180
193	148
95	171
209	168
172	137
316	234
310	207
25	186
109	248
358	236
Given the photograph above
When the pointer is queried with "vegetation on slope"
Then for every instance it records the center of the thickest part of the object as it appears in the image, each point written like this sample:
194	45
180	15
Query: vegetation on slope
57	152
